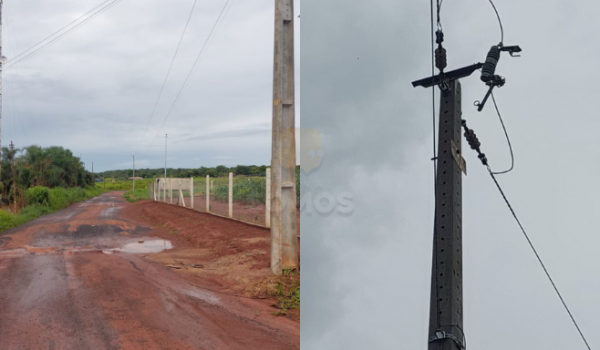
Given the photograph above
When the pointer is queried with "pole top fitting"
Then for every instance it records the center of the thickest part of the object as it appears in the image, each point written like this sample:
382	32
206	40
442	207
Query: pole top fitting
439	37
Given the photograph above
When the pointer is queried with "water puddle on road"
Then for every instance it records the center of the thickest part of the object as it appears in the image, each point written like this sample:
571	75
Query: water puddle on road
152	246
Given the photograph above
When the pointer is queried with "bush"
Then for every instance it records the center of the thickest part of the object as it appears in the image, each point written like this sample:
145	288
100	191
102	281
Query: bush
39	195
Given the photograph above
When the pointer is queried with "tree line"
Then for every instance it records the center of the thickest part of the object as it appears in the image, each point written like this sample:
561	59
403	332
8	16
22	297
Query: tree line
218	171
37	166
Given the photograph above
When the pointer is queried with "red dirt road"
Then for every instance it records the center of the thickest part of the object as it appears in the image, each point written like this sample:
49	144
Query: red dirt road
66	283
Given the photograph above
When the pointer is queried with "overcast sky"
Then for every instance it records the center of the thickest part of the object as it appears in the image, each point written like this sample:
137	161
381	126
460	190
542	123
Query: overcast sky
93	91
366	276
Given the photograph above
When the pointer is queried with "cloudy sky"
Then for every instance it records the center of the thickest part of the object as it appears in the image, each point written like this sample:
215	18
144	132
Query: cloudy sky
366	276
94	90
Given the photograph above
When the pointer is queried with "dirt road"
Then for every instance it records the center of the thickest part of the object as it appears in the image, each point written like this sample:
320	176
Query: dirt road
87	277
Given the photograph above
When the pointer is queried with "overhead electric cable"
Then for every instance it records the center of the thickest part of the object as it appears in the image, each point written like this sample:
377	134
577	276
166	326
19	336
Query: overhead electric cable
499	22
188	75
475	145
562	300
58	31
168	73
512	156
104	9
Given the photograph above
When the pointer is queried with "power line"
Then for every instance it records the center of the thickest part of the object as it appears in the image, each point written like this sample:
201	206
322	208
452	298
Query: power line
188	75
499	22
58	31
512	157
538	257
19	77
168	72
104	9
475	145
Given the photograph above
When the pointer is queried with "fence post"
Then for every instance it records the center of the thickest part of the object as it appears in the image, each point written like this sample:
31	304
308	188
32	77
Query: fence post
154	190
192	192
230	195
171	191
268	200
208	193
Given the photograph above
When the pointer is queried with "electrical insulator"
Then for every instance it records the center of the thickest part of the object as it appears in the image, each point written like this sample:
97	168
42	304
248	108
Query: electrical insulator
489	67
439	37
440	58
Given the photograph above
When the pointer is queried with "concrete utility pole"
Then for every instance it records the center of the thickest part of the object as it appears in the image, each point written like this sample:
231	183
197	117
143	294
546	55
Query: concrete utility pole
165	184
14	177
284	235
133	172
2	61
446	306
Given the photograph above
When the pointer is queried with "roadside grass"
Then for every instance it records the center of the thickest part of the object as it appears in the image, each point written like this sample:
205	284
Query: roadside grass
43	201
287	293
123	185
137	195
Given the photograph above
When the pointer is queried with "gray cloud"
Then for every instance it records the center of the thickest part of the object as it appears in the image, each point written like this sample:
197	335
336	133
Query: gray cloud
366	276
94	90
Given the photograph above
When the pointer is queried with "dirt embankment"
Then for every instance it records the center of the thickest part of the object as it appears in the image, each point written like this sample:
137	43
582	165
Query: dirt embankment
212	252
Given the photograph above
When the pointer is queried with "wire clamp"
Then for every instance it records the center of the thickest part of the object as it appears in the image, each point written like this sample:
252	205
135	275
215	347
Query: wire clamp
441	335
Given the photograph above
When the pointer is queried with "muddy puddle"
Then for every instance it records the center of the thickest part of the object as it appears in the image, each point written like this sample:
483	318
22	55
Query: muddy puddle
149	246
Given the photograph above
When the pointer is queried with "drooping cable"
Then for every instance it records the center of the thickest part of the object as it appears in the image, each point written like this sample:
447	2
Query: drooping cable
512	157
499	22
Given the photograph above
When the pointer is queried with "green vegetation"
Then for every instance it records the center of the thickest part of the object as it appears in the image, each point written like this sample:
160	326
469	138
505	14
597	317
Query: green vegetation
287	292
46	180
246	189
219	171
137	195
44	200
251	190
124	185
36	166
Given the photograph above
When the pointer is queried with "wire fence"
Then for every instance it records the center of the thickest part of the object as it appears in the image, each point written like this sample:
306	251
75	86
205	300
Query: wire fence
245	200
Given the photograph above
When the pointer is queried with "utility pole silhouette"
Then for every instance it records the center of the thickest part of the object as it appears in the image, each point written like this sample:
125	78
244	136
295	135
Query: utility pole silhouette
14	177
284	235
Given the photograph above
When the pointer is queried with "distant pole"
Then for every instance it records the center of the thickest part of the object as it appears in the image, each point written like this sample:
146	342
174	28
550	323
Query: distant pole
284	236
207	194
268	199
2	60
134	172
93	177
12	156
165	187
230	195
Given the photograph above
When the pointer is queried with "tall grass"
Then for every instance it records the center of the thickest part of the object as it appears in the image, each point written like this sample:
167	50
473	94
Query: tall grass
123	185
137	195
42	201
250	191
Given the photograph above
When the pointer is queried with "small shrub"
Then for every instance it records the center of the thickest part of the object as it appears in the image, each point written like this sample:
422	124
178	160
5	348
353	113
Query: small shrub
39	195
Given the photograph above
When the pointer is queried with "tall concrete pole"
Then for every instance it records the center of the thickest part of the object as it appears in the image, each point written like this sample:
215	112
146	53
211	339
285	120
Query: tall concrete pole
2	60
165	184
446	306
284	240
133	172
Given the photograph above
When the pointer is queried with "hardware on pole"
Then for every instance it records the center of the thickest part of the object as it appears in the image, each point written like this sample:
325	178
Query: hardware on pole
446	306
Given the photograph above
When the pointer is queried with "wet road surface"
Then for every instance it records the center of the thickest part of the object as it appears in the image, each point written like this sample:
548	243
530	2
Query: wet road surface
77	279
